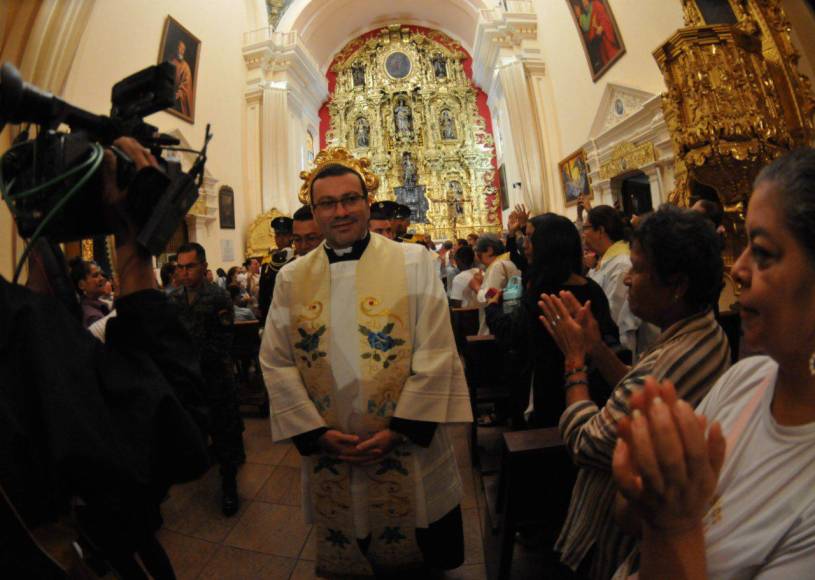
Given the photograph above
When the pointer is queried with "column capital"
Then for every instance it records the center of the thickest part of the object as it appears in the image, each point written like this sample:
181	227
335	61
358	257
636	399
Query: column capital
273	58
504	34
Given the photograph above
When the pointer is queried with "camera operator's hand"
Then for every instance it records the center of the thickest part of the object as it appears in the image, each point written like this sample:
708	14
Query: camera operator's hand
133	263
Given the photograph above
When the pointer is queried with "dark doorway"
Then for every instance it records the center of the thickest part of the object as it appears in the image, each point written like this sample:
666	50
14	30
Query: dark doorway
635	194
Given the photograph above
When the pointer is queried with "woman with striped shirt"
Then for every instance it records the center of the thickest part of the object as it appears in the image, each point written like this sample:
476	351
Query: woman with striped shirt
676	271
738	500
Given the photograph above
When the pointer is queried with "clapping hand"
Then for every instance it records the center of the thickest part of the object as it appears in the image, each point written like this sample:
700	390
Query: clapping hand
663	464
571	325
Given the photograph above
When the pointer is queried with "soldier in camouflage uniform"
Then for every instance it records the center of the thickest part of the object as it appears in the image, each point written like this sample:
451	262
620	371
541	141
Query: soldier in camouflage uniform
206	311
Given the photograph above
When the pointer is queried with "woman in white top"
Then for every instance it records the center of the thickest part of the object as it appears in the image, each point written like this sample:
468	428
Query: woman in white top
739	500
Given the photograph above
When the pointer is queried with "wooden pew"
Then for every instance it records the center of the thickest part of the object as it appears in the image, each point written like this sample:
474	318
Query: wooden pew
245	351
534	487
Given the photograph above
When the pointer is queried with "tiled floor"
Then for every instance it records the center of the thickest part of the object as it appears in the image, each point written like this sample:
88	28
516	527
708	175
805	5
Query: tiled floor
267	539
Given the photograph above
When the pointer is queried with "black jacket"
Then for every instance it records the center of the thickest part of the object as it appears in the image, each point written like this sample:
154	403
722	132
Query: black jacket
522	333
108	423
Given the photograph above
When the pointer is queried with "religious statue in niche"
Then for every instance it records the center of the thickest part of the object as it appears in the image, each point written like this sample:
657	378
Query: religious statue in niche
358	74
447	124
458	198
439	66
362	132
410	193
403	118
409	169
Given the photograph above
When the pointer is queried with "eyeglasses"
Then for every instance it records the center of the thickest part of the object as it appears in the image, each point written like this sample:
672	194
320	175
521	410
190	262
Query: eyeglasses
190	266
330	205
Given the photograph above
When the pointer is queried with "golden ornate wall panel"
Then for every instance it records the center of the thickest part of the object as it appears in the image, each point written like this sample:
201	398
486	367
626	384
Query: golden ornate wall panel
403	99
735	99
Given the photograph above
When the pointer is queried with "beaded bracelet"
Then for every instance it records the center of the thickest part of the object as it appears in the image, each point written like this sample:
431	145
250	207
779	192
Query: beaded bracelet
583	369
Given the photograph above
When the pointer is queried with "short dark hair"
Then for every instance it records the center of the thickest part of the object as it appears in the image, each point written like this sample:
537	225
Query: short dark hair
472	235
465	256
712	210
447	245
79	270
234	291
610	219
166	273
682	242
335	170
199	250
303	214
461	242
490	241
794	178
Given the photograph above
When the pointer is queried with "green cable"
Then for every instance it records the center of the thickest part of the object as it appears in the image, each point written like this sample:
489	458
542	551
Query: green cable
3	188
54	181
98	155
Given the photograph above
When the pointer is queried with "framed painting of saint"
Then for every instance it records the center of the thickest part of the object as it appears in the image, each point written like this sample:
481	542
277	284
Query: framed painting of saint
574	176
599	34
181	48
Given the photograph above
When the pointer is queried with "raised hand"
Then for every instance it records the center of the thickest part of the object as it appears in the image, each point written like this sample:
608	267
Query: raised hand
523	215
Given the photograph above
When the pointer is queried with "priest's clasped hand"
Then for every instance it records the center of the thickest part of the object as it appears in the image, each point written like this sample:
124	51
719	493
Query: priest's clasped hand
351	449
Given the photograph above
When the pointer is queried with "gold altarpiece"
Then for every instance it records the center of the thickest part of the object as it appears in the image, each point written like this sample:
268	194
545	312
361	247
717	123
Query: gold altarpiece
403	100
735	101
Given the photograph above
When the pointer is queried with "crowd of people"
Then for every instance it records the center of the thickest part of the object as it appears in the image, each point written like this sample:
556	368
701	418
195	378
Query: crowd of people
686	467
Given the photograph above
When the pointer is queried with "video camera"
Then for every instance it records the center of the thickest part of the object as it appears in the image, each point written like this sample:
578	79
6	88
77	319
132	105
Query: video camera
52	183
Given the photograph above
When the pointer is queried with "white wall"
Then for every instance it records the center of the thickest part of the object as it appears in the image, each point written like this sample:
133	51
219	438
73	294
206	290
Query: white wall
123	36
643	26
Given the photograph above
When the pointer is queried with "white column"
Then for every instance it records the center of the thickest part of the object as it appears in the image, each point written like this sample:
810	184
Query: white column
655	182
252	183
525	142
547	126
274	134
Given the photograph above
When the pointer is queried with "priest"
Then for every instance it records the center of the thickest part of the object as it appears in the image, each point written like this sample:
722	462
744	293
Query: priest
360	364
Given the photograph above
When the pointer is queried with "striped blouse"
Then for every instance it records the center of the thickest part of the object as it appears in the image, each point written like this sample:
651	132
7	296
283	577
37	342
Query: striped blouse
692	353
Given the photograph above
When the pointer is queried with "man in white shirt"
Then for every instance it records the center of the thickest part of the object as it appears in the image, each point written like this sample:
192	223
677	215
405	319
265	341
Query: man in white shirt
603	233
492	254
362	372
461	295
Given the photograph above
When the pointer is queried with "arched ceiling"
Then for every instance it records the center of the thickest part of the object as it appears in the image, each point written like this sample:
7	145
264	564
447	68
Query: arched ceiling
326	26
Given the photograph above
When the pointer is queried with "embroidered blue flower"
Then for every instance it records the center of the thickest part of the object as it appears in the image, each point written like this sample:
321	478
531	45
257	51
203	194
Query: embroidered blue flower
329	463
392	535
381	342
383	409
390	464
309	344
337	538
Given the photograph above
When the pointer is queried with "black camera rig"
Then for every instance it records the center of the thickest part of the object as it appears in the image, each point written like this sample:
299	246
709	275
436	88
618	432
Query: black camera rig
52	183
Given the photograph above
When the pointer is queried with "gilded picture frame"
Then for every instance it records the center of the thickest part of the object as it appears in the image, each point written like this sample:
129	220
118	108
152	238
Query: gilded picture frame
602	43
182	48
574	177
